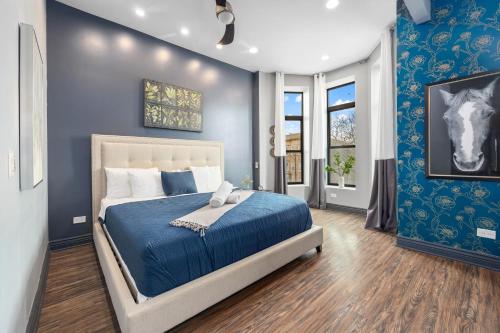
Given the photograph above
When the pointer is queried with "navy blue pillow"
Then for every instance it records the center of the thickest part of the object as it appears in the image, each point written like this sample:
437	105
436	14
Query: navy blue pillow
175	183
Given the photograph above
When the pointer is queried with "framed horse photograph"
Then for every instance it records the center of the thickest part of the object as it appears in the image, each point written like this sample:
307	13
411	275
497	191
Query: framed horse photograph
463	128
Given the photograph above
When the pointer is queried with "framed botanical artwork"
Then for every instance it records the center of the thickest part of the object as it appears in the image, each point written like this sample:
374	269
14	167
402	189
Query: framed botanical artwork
463	128
172	107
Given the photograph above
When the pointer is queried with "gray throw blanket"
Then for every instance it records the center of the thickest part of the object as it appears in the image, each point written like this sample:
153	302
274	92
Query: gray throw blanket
201	219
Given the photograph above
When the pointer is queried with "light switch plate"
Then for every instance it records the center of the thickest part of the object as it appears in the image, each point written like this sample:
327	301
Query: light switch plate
12	164
79	219
486	233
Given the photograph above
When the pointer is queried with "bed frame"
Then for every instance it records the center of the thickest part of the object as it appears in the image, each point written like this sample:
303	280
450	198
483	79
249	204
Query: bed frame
171	308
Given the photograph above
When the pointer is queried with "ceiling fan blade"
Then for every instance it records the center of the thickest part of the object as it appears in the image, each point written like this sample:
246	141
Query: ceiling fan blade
228	35
221	3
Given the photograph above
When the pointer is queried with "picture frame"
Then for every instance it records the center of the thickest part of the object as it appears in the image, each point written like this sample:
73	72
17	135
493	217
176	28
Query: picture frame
172	107
462	124
31	108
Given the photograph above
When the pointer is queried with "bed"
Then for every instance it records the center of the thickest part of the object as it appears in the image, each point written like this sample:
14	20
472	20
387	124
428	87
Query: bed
182	292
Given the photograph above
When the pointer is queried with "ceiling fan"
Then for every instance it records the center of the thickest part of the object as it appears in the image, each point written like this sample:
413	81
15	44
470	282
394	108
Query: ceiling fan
225	15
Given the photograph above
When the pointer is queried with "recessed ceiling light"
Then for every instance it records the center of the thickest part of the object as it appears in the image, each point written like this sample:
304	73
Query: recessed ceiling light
218	46
325	57
184	31
253	50
331	4
140	12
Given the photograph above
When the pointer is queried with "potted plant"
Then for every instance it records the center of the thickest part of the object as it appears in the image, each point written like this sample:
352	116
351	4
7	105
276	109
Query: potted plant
246	183
341	167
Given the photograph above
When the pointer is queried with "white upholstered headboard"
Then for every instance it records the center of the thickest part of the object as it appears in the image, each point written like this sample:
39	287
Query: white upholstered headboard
144	152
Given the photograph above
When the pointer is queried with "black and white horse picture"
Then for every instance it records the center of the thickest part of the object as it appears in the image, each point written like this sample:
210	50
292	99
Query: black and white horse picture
463	127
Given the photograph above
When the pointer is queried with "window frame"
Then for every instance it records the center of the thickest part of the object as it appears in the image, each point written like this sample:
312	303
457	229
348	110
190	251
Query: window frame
329	110
301	151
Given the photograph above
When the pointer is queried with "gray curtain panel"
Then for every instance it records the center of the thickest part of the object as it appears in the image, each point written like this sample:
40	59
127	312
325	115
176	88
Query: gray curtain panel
280	175
381	213
317	193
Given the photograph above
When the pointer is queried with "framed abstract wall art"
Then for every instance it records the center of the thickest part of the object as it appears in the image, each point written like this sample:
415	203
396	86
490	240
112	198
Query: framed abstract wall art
463	128
172	107
31	108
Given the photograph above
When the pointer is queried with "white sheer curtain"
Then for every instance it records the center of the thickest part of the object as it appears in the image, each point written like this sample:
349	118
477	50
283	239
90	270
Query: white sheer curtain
317	195
382	208
318	149
385	133
280	182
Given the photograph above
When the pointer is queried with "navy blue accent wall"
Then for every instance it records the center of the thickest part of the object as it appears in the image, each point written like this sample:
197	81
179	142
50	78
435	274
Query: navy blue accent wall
463	38
95	72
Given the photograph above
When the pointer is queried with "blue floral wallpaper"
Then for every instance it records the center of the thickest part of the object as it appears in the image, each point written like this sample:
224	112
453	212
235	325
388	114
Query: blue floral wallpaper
462	39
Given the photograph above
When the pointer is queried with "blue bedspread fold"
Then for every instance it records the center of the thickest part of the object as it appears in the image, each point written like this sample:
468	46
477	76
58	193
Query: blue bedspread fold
161	257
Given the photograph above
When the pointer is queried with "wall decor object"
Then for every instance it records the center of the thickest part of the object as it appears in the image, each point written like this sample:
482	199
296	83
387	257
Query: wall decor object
463	127
271	141
172	107
461	40
31	108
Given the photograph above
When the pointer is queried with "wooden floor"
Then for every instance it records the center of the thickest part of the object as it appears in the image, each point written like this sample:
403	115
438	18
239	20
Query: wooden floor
361	282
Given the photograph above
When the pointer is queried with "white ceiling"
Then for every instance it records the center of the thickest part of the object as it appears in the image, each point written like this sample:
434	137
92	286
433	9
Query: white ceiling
291	35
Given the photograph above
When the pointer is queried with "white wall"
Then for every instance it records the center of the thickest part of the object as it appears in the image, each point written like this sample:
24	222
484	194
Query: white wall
266	96
360	196
23	216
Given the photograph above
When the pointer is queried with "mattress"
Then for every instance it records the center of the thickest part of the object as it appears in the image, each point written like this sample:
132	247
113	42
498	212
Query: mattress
160	257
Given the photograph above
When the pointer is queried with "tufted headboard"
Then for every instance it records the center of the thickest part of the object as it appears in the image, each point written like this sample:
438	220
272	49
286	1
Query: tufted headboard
143	152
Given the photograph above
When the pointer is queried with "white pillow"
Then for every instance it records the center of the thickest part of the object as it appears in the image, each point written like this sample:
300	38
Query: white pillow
117	182
214	178
200	175
159	184
145	183
207	178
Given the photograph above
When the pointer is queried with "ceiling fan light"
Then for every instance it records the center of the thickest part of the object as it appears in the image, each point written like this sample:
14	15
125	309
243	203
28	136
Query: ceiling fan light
226	17
331	4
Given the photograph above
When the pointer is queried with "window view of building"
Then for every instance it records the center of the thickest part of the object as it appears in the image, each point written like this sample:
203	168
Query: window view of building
294	129
342	128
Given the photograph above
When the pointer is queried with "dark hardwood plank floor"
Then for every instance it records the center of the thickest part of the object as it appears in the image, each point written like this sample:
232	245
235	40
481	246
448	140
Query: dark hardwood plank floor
361	282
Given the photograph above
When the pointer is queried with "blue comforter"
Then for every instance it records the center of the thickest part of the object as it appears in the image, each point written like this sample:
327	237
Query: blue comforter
161	257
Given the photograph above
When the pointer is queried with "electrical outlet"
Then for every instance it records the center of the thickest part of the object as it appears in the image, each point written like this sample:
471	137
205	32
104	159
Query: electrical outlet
12	164
486	233
79	219
333	195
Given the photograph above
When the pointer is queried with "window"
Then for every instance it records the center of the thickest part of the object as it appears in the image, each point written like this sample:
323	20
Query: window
341	128
294	131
